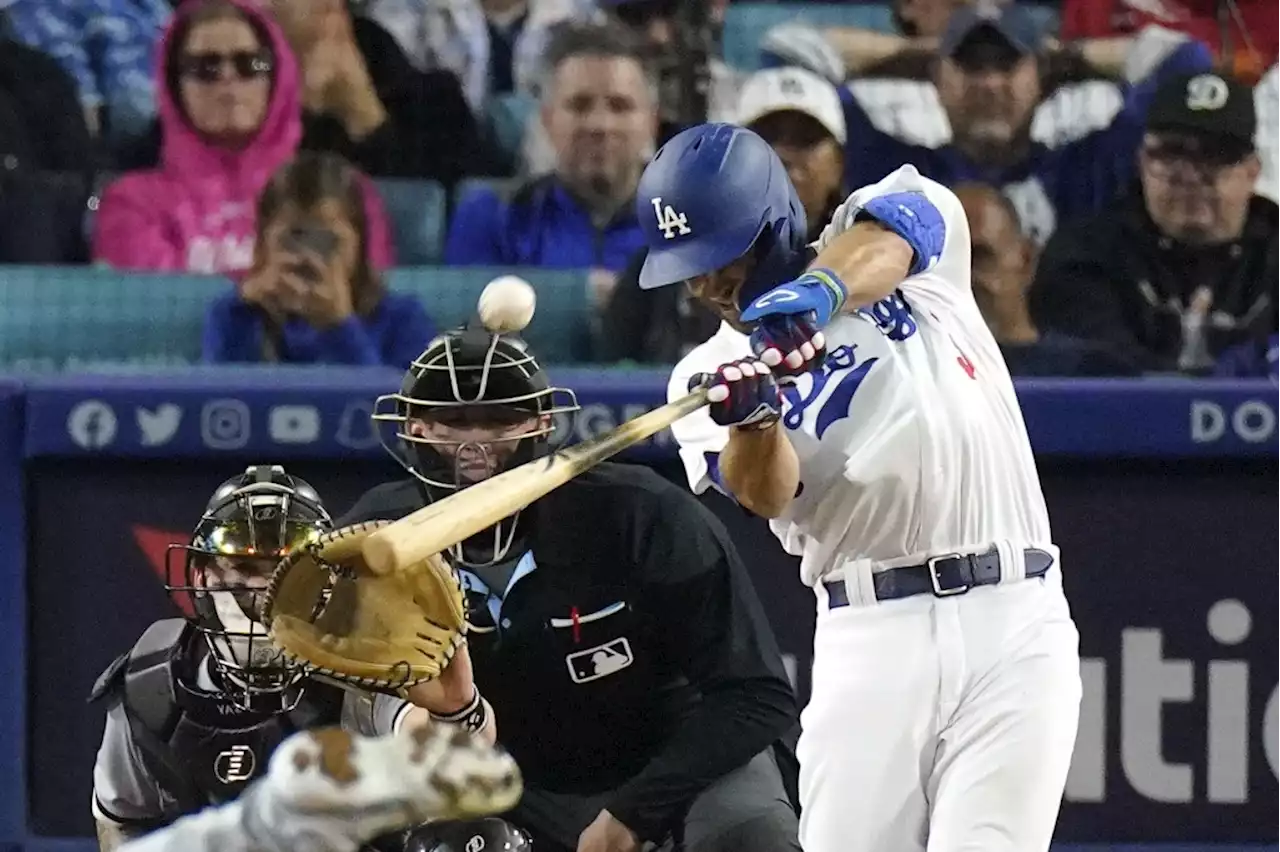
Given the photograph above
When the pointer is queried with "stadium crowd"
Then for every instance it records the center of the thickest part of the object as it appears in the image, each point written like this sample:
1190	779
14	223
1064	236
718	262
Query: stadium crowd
1117	160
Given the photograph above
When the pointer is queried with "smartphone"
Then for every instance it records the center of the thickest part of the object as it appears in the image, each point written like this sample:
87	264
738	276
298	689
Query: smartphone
321	242
307	240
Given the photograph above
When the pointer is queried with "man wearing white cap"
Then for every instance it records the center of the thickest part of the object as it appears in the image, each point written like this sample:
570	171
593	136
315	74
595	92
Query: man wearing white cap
801	117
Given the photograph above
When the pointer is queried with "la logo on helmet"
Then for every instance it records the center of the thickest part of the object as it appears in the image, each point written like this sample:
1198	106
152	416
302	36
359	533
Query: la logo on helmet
670	222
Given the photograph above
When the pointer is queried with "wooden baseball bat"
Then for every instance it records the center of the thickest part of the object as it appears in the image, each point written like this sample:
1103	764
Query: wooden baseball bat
440	525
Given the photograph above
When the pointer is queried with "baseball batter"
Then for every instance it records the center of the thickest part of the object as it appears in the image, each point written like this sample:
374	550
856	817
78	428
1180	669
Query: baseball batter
864	408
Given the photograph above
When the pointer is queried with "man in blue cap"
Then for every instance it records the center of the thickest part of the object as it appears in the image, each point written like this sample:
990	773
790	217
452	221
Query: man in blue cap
988	73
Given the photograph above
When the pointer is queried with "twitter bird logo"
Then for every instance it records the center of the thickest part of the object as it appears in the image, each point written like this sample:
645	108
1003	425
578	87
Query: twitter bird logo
159	426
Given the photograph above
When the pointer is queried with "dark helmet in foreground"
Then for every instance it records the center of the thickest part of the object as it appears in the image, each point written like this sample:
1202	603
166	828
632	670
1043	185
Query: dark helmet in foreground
482	835
218	580
472	405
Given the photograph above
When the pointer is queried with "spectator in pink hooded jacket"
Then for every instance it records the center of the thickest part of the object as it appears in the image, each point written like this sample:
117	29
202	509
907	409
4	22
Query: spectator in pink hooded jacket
231	115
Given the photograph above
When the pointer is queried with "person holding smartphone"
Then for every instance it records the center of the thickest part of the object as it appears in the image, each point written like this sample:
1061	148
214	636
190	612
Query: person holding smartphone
312	296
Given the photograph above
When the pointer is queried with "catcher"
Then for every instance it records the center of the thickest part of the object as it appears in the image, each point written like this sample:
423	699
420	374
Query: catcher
329	791
197	706
612	628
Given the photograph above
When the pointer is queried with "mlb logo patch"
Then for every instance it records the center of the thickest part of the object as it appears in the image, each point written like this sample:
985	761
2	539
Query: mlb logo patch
600	661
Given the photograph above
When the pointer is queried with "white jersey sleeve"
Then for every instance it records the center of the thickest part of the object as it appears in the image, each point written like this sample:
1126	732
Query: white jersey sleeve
373	714
123	789
943	281
699	437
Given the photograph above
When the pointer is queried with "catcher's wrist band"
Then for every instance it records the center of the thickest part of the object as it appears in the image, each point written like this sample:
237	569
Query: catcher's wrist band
474	716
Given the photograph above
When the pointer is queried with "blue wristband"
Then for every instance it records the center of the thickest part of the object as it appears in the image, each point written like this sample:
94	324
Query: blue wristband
834	287
818	290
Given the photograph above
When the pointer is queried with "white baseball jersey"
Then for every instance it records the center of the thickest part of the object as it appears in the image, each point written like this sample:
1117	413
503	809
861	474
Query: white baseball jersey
910	438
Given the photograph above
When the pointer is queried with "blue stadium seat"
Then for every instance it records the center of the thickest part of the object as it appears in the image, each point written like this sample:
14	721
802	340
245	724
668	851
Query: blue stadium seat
417	210
502	186
54	318
745	24
67	317
508	115
561	329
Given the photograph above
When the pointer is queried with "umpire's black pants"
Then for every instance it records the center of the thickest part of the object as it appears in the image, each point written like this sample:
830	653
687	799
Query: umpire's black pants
744	811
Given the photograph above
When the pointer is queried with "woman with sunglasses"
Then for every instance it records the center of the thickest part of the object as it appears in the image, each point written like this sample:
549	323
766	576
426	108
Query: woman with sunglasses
230	116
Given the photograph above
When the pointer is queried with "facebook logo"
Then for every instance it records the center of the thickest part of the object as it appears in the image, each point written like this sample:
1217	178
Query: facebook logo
92	424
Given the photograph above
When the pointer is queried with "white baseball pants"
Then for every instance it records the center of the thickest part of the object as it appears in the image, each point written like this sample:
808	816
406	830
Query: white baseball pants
941	724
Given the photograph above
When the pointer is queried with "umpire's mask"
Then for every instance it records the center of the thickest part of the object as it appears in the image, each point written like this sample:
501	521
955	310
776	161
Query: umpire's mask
251	522
471	406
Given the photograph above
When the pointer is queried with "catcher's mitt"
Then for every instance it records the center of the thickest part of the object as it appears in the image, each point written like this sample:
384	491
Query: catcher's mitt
326	609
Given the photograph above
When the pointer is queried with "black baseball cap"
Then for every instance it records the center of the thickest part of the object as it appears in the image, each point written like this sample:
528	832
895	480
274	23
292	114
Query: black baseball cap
1010	20
1205	106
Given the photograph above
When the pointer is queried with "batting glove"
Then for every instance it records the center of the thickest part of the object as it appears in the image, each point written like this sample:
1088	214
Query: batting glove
742	393
789	320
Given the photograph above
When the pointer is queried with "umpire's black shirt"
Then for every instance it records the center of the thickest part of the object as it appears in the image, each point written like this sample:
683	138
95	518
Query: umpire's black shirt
630	652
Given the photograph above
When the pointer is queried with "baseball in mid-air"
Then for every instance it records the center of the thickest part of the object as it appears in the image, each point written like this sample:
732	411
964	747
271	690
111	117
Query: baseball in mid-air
507	304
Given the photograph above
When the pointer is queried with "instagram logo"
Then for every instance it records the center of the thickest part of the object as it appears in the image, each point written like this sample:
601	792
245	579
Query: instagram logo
224	424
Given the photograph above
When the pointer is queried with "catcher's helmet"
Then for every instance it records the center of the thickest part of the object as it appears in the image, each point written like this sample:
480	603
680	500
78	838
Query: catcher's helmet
250	523
482	835
709	196
472	405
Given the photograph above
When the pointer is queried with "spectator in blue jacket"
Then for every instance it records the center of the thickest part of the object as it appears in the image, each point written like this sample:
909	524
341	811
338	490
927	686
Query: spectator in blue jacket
988	73
599	109
313	295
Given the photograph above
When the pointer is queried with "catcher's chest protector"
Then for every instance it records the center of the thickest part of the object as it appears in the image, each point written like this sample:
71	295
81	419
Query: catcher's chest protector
213	747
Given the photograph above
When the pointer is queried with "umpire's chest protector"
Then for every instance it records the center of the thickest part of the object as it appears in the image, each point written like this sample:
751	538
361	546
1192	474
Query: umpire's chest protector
201	749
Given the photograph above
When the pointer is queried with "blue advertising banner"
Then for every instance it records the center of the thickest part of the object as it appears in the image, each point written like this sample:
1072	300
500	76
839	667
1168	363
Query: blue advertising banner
1168	533
305	413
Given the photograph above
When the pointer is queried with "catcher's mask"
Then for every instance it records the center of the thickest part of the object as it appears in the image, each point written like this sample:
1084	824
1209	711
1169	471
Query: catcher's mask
471	406
251	522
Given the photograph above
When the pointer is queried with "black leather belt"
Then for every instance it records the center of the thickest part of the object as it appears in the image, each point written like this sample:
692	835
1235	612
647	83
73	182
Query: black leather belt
940	576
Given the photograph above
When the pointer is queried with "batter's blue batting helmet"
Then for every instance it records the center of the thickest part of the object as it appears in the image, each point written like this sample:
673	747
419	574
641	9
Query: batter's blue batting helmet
706	198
